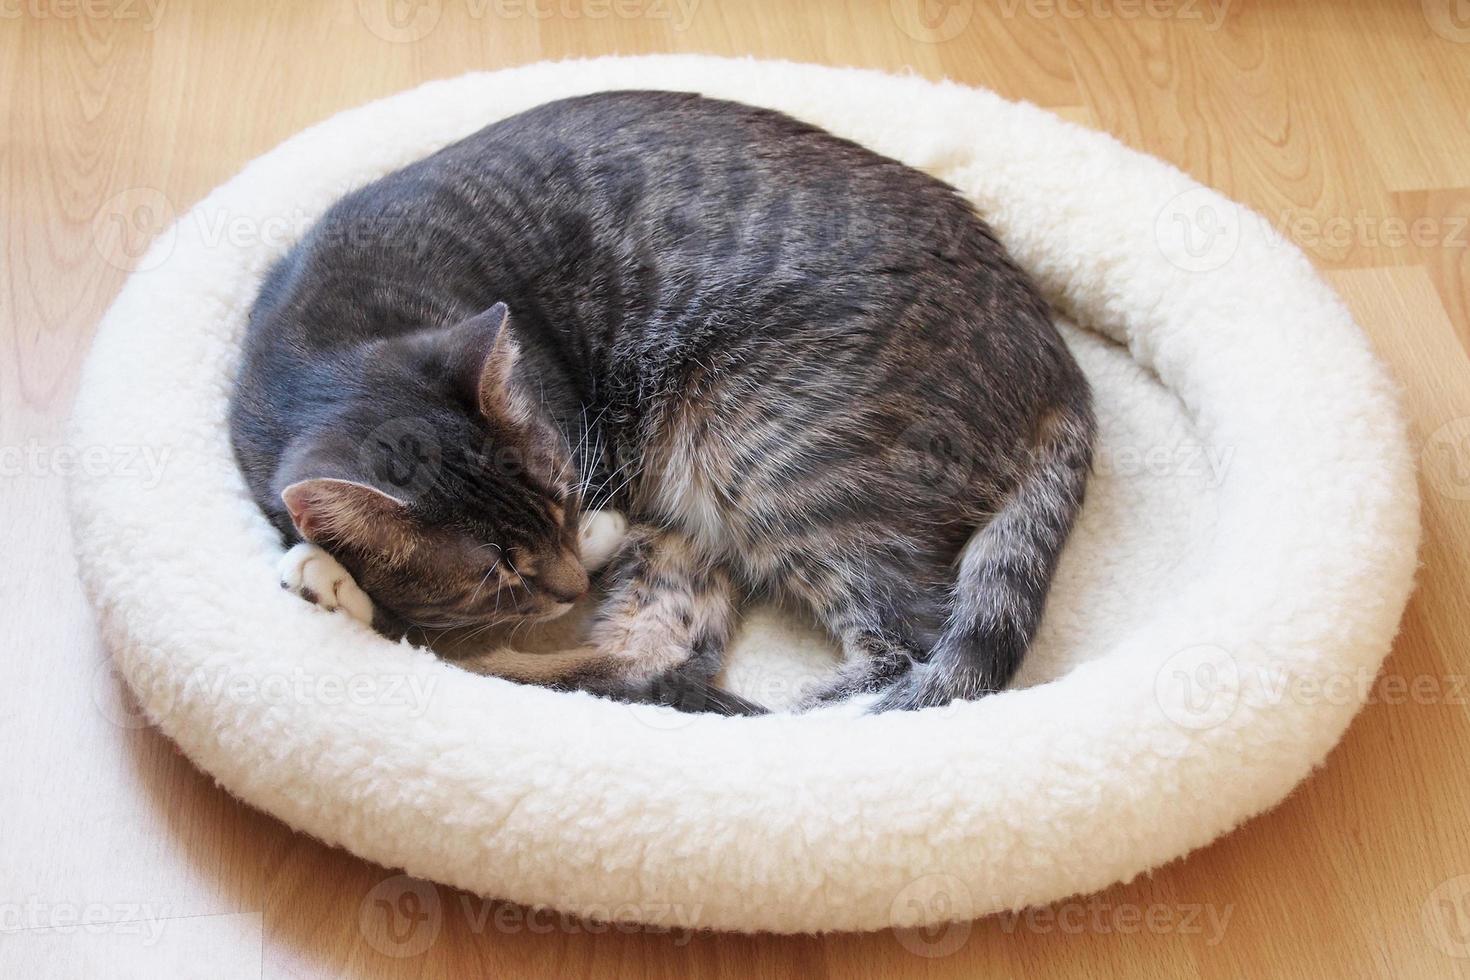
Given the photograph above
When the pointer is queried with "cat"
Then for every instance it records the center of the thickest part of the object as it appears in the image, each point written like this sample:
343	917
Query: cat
715	349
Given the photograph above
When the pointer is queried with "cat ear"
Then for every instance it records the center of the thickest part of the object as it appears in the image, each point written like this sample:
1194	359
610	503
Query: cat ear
486	353
343	511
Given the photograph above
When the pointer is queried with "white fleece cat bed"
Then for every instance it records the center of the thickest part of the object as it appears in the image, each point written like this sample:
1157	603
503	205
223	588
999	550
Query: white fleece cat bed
1246	551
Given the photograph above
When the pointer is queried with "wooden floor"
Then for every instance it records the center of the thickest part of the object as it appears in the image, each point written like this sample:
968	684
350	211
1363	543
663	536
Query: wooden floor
1346	124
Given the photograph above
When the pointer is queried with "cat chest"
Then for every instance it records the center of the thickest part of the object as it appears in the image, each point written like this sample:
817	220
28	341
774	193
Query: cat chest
686	481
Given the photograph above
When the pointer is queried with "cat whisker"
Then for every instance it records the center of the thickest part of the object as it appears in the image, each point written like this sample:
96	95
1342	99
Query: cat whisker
589	456
485	579
597	491
510	641
609	498
521	579
581	452
477	632
425	630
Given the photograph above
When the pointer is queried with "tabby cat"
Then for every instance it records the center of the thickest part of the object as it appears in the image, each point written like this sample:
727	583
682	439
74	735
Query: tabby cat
716	350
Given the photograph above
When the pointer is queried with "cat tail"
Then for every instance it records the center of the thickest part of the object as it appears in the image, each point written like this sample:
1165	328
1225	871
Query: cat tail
1005	571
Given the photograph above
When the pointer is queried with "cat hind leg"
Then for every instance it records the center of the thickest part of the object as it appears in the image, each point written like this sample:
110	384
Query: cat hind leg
873	616
661	632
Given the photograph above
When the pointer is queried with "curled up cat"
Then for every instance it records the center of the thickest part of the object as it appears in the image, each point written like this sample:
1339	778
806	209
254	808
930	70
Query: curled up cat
699	350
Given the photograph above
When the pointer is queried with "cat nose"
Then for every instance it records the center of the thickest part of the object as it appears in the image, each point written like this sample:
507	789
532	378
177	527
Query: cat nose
565	580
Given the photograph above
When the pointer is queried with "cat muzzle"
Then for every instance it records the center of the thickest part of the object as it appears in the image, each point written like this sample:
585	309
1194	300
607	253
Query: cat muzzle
564	579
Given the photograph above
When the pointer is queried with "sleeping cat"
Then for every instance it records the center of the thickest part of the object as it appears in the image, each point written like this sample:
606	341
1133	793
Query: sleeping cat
719	350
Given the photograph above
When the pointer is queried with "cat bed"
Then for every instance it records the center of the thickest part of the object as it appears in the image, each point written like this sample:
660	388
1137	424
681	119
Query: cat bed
1236	578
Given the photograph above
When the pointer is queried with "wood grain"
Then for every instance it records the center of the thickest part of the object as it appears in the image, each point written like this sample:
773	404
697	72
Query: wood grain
1340	123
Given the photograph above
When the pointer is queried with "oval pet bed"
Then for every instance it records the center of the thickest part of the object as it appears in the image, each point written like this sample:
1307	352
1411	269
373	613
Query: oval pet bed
1249	538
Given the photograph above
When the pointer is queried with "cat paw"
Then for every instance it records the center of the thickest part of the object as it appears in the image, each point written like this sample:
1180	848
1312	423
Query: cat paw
601	535
320	579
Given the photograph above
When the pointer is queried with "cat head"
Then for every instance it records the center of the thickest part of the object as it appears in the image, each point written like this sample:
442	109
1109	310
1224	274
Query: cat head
441	483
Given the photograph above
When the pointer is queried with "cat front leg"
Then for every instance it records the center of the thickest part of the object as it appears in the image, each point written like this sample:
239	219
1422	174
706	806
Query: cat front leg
661	633
600	536
320	579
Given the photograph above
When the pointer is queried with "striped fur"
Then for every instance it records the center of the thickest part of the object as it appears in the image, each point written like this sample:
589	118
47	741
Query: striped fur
800	369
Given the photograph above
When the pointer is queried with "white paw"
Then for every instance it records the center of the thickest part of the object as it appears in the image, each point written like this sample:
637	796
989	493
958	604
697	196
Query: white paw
317	577
600	537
